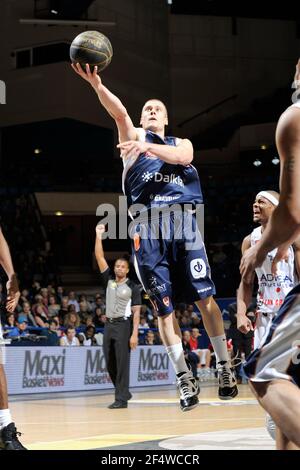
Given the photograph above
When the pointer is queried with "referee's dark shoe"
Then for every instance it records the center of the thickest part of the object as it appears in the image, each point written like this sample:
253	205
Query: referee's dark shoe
117	405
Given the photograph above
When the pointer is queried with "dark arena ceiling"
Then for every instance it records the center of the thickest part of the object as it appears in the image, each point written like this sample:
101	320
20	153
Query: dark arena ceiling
288	10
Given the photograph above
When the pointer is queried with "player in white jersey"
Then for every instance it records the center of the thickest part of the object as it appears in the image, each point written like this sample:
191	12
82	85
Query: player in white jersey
8	433
272	288
274	369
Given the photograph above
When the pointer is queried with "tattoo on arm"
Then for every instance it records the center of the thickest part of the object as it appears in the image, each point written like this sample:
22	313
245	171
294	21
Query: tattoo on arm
290	163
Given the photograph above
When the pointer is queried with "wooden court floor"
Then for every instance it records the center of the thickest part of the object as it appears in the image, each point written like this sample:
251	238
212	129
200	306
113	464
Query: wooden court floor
152	420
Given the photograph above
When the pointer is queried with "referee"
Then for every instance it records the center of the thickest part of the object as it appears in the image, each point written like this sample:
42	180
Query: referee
123	298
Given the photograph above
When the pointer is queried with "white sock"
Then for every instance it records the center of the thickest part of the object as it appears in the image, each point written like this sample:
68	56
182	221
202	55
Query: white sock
219	343
176	355
5	418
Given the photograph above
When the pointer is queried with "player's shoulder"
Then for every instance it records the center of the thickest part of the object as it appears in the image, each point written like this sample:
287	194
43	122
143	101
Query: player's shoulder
247	238
246	243
289	119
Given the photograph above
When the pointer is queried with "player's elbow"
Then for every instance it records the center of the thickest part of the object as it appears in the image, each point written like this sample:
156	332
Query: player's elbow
185	158
121	116
293	211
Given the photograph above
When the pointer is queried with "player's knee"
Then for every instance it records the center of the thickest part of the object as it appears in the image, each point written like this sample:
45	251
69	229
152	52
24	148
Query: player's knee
165	318
205	304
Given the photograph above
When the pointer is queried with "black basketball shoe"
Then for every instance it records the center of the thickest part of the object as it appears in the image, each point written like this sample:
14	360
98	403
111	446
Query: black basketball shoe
9	438
189	390
227	381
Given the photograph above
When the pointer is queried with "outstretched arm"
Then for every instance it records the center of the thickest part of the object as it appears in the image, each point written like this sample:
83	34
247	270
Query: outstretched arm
181	154
12	286
110	102
99	253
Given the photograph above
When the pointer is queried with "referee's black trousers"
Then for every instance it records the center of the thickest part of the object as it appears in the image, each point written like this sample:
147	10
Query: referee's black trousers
117	355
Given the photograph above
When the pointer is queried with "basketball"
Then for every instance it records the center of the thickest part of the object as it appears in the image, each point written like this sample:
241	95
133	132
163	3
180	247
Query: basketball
93	48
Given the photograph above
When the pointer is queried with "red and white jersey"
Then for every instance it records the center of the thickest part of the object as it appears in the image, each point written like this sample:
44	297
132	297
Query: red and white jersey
273	289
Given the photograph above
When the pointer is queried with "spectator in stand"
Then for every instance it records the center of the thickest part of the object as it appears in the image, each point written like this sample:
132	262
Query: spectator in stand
143	323
39	303
204	371
24	296
83	311
71	308
26	310
155	323
10	321
52	333
197	322
184	322
73	300
36	287
63	310
60	293
69	339
20	329
44	294
150	339
40	317
87	338
83	298
99	302
99	318
72	319
89	321
53	307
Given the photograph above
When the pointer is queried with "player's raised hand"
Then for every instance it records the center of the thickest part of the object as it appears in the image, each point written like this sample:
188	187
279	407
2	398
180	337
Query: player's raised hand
92	77
132	148
100	229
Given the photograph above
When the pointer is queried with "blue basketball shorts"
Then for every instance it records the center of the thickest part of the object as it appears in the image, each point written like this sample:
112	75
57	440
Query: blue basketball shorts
167	245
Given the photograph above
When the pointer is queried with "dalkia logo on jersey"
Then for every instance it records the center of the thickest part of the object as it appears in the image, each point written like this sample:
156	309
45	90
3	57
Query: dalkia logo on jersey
159	177
44	370
95	368
153	366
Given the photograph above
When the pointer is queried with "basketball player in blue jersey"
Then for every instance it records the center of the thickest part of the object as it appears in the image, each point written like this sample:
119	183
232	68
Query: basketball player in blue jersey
274	368
157	173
